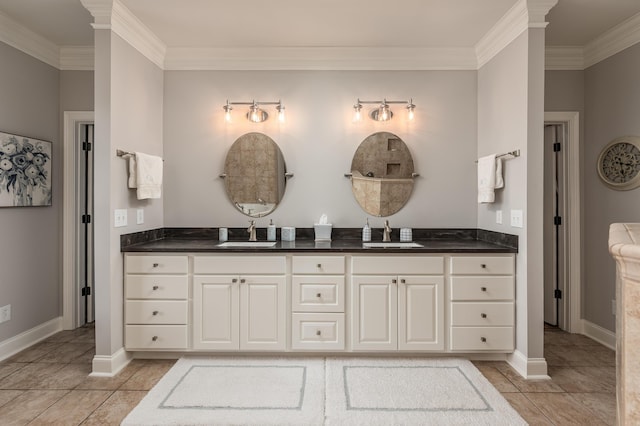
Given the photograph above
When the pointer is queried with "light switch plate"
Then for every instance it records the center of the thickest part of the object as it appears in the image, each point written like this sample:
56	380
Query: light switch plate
516	219
499	217
120	218
140	216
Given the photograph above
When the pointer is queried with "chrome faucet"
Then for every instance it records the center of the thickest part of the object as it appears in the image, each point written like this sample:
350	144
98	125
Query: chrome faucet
252	230
386	235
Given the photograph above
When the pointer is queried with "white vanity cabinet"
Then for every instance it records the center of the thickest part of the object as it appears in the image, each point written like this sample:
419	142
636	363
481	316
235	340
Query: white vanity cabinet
397	303
317	303
482	314
239	302
156	291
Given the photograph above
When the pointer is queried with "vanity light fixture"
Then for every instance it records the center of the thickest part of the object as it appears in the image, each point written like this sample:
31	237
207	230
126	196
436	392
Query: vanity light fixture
255	113
383	112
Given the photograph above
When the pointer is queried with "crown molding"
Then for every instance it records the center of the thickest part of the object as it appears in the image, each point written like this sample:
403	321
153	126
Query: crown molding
564	58
320	58
29	42
612	41
78	58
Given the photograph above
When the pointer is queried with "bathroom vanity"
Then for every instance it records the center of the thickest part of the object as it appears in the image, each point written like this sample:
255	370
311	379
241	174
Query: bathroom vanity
452	295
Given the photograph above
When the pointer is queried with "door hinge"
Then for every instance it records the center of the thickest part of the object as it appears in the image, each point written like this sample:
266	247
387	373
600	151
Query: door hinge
557	220
86	291
86	218
557	294
86	146
557	147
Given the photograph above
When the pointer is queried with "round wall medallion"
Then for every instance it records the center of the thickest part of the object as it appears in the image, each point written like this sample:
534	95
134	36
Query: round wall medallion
619	163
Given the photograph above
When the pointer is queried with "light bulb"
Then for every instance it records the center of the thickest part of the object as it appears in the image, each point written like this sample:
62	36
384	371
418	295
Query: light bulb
411	115
281	117
227	116
357	116
254	114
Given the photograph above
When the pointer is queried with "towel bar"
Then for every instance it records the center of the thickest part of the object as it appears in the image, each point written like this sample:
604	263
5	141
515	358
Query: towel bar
121	153
514	154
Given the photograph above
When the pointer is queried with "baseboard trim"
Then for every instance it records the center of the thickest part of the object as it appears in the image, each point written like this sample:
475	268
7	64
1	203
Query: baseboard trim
22	341
529	368
110	365
599	334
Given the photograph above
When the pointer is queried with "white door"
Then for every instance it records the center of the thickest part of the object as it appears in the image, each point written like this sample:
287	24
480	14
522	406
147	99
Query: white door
374	323
420	313
215	312
263	313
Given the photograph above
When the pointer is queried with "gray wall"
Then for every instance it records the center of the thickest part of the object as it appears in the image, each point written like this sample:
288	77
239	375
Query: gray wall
318	141
76	91
29	262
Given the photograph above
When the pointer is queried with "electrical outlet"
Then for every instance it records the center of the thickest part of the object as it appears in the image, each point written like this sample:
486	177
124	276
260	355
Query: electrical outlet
140	216
516	219
5	313
120	218
613	307
499	217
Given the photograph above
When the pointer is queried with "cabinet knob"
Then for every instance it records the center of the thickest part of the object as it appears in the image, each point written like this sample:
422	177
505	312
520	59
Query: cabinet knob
154	338
483	339
234	280
318	332
483	288
242	281
319	265
483	265
318	295
394	281
155	265
483	315
155	313
402	281
155	287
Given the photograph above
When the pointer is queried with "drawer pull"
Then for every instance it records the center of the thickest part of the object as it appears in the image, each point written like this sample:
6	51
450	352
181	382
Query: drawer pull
155	313
155	287
154	338
483	315
319	265
483	288
234	280
483	265
242	281
402	281
155	265
483	339
394	281
318	332
318	295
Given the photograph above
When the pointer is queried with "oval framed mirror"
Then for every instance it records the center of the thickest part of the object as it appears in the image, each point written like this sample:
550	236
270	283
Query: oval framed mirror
382	174
255	174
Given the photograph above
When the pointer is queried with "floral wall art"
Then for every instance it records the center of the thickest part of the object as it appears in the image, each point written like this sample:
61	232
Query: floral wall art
25	171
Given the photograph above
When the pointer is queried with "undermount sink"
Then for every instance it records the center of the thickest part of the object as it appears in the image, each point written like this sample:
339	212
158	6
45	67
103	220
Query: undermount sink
391	245
247	244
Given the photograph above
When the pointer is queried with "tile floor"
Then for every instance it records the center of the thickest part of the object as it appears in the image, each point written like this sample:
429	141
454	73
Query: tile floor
48	384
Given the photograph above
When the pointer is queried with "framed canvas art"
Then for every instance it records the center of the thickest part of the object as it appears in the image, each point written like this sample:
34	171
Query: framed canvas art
25	171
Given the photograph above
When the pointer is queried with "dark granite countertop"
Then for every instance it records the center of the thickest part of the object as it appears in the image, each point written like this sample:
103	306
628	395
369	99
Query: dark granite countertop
344	240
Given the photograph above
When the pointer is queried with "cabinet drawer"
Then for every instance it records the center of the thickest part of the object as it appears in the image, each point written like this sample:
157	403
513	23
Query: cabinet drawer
482	314
156	311
317	331
239	265
156	337
482	265
317	264
482	288
317	294
156	264
156	287
482	339
407	265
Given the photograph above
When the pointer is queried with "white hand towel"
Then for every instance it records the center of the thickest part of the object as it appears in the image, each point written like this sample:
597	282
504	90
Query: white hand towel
499	179
148	175
486	178
133	173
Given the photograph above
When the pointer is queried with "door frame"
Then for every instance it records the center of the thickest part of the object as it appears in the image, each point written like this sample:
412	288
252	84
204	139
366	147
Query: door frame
573	253
70	220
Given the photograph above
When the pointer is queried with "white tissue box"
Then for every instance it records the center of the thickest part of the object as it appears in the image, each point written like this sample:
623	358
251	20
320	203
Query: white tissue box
288	233
323	231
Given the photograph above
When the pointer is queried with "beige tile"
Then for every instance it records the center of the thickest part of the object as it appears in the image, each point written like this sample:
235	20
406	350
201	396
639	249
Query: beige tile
30	376
72	409
530	385
9	368
66	352
115	408
148	375
602	405
497	379
575	356
529	412
8	395
35	352
62	337
562	409
112	383
68	377
584	379
28	405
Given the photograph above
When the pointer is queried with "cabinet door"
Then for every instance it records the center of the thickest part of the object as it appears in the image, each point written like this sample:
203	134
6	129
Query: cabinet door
262	313
420	313
215	312
374	323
